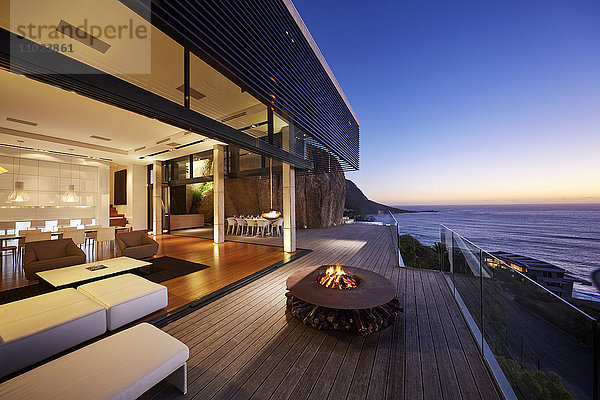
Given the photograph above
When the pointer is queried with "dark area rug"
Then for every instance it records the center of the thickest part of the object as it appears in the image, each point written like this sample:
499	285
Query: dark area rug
161	270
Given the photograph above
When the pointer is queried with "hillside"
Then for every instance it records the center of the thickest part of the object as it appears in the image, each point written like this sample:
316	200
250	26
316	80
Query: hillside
361	205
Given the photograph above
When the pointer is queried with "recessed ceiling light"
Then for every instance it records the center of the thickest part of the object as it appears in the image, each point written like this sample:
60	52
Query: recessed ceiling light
82	36
21	121
193	92
100	138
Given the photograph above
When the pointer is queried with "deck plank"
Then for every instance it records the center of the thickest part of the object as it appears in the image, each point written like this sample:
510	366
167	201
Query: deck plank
245	345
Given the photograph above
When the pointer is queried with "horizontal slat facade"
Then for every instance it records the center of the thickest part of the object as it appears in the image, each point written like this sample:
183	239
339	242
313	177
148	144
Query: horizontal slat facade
258	45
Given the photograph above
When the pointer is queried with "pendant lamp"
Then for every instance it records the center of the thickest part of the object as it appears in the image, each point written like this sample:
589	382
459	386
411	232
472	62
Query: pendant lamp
70	196
18	195
271	213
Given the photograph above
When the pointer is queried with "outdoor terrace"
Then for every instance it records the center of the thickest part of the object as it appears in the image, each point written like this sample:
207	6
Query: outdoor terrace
244	345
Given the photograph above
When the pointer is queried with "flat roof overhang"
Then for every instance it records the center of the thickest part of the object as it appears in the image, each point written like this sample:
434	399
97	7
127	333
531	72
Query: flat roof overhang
264	48
97	85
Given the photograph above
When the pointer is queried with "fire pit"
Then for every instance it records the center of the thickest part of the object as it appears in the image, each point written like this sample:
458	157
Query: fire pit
340	298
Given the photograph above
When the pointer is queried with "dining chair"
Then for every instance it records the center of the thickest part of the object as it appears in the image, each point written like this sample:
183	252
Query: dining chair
63	222
66	229
231	225
7	226
105	235
77	235
37	223
251	227
277	226
262	225
91	236
86	221
23	233
241	225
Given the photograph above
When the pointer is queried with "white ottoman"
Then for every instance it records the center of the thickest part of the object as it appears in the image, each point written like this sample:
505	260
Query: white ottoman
39	327
126	298
121	366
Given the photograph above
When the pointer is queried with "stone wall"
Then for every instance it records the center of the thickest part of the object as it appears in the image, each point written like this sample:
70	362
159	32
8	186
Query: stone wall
319	197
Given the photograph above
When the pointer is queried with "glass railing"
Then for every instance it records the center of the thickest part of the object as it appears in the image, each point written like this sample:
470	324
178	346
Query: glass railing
537	344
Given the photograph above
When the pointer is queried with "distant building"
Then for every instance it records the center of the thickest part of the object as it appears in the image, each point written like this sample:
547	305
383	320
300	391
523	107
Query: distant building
553	278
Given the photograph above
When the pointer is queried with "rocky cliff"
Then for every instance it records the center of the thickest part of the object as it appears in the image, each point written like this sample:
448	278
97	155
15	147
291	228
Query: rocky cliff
319	197
359	204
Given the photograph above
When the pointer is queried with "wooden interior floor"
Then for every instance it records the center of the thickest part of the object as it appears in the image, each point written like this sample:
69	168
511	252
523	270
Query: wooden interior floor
207	233
244	345
229	262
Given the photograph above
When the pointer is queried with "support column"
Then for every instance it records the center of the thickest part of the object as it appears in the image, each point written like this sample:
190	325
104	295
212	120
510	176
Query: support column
157	211
289	208
219	193
289	193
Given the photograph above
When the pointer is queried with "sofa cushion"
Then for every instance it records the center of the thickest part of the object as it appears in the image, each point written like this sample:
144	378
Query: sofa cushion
37	266
142	251
131	239
49	249
121	366
119	289
27	317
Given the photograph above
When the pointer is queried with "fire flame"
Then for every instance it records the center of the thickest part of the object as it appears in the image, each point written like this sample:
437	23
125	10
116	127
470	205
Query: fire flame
335	277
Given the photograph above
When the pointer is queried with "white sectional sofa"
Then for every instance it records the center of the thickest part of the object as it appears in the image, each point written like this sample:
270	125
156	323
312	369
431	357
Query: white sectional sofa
126	298
122	366
39	327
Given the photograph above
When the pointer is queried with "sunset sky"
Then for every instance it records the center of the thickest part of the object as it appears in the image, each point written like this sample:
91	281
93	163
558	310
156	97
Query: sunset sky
469	102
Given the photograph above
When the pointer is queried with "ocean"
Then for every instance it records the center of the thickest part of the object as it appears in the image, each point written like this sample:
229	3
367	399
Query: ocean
564	235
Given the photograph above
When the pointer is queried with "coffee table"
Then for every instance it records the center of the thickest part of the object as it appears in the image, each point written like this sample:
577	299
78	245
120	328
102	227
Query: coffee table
78	273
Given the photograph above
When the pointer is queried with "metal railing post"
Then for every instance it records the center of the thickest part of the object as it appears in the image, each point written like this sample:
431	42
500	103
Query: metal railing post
481	295
595	355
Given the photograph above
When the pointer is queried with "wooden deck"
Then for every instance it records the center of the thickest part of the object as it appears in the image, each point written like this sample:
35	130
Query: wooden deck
245	345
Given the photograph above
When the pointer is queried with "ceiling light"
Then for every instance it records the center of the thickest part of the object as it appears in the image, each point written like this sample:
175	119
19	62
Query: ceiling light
100	138
21	121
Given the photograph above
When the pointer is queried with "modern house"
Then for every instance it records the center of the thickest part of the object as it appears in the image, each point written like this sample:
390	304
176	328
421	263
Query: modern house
178	95
553	278
195	122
